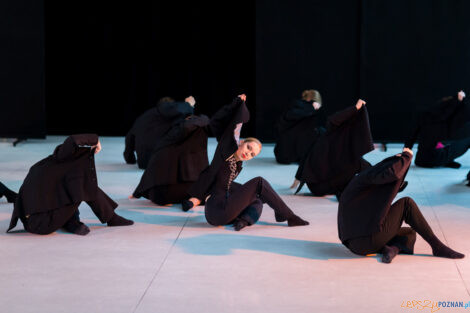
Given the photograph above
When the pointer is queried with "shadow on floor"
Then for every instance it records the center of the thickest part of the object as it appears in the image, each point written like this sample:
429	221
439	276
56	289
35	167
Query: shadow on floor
224	244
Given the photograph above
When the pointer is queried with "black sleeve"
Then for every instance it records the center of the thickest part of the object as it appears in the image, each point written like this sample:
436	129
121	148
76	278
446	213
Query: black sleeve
221	119
129	155
72	143
338	118
394	171
409	143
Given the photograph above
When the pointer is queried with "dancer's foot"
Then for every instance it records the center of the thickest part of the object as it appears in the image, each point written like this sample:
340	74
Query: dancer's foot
186	205
444	251
296	221
118	220
453	164
239	224
388	253
76	227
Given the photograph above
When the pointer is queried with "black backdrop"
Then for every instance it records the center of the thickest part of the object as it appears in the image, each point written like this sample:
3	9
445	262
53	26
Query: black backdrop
22	108
106	63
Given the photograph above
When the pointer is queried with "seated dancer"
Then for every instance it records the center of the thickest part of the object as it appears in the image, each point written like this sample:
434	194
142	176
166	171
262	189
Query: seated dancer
178	159
442	133
228	202
151	126
299	127
368	222
55	187
336	156
9	194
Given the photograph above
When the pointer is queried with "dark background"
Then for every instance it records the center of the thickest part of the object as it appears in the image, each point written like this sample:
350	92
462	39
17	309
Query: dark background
95	66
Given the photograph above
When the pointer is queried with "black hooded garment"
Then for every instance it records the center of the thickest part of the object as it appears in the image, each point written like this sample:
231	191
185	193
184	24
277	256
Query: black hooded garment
336	156
66	177
150	127
297	130
446	121
178	159
222	126
365	202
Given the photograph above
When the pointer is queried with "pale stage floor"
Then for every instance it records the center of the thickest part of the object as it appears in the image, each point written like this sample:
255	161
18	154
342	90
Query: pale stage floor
172	261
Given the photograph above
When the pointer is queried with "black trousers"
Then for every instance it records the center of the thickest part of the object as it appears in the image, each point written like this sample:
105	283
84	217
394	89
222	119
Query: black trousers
167	194
403	210
48	222
246	202
458	148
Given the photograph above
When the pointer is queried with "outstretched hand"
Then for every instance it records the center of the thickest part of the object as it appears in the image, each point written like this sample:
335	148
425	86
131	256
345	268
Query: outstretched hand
408	150
461	95
242	96
360	103
190	100
97	146
316	105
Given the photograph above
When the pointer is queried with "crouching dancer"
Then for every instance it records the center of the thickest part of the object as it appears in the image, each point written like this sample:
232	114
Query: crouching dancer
55	187
368	222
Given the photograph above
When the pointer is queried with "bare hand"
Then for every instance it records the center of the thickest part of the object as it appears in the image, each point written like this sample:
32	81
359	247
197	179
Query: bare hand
190	100
408	150
97	146
316	105
461	95
131	197
359	104
242	96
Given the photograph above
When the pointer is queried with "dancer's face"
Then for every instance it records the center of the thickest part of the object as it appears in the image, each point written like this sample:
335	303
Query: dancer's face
247	150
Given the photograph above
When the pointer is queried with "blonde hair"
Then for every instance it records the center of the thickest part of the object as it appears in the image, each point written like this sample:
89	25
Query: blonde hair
311	94
255	140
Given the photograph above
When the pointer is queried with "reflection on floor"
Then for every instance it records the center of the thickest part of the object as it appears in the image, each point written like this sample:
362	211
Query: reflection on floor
171	261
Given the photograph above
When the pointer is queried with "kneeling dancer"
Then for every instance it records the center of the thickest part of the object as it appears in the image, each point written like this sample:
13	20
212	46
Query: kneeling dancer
368	222
55	187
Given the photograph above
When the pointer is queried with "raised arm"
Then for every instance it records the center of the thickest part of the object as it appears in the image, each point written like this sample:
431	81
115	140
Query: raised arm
391	170
335	120
221	119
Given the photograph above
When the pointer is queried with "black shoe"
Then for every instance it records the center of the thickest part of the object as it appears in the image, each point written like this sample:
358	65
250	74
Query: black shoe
239	224
453	164
186	205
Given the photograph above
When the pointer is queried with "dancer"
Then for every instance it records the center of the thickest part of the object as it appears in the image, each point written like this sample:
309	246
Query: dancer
55	186
151	126
9	194
228	202
299	127
178	159
368	222
336	156
441	133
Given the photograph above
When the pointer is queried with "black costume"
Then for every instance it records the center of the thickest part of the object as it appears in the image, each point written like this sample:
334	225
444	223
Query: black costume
446	122
367	220
336	156
229	201
55	187
297	130
9	194
150	127
178	159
